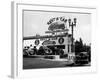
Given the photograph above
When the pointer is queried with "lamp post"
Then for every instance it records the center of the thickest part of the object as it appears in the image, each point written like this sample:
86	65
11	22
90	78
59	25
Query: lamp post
72	24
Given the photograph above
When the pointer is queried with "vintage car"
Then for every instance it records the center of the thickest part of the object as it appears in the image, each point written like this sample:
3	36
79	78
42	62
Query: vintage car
82	58
25	51
28	51
43	50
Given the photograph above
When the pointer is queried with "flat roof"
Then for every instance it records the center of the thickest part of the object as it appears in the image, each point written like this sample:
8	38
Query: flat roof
66	30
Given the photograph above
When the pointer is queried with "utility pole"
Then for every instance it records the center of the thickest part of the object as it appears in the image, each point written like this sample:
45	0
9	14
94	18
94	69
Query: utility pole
72	24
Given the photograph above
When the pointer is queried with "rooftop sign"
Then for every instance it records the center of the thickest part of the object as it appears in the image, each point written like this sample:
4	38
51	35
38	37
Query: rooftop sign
62	19
57	23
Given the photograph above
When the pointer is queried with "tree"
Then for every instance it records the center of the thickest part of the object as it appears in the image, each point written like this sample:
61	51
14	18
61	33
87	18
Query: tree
80	47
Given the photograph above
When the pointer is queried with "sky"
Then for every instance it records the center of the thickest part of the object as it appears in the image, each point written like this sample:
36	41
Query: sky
35	22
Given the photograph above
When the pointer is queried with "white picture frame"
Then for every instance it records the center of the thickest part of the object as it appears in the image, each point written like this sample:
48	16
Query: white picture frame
17	60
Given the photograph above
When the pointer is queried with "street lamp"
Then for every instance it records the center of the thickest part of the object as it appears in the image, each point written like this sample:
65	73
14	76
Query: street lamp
72	24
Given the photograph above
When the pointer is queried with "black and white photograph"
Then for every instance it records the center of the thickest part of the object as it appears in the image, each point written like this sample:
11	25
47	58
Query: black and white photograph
56	39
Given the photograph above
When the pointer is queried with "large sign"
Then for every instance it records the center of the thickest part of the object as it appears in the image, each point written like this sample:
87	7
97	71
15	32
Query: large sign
57	23
56	26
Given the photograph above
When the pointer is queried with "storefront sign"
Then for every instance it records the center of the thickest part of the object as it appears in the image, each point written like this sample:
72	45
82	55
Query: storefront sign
47	42
54	38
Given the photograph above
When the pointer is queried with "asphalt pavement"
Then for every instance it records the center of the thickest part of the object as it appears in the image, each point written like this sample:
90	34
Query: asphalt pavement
37	63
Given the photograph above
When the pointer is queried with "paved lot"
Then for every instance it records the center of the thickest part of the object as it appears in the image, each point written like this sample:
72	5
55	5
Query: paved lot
34	63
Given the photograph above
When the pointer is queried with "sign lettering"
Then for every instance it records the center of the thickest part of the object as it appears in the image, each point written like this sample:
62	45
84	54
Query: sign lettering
62	19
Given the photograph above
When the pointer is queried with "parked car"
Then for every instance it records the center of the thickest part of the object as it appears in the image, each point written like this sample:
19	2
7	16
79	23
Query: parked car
82	58
56	51
25	51
43	50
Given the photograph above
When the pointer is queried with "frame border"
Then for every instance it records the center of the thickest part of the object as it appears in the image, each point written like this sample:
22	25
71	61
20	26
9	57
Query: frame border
14	33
